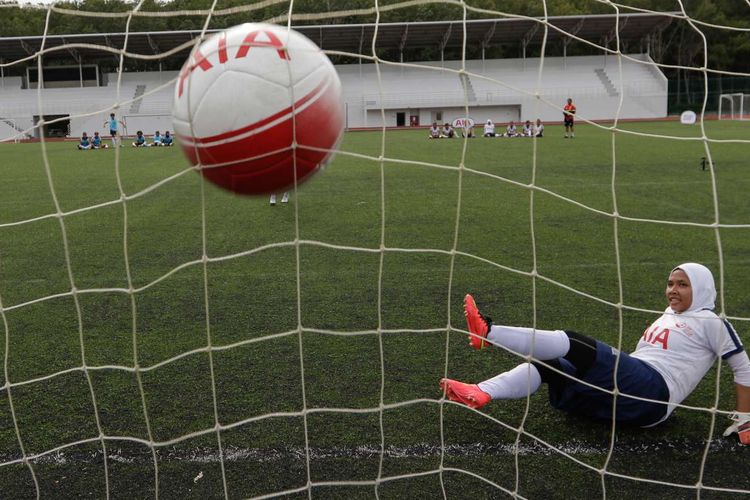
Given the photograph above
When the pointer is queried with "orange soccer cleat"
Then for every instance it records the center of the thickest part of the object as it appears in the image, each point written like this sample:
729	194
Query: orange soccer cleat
744	434
477	324
468	394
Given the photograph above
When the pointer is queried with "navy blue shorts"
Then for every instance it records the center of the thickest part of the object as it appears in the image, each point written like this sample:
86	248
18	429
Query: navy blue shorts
112	132
634	377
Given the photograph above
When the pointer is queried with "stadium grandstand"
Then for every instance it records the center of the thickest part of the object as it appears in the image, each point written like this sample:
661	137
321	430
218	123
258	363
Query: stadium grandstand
78	90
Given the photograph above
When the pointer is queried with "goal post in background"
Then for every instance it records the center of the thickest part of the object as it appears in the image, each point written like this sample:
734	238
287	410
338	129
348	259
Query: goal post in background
734	106
164	338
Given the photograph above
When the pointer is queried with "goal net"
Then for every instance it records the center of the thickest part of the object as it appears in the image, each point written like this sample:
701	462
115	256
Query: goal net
734	106
164	338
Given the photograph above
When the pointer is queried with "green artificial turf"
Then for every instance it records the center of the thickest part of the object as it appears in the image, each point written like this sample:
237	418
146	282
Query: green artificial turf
349	298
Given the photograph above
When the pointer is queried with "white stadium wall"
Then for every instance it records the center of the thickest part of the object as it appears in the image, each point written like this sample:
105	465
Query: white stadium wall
500	90
506	89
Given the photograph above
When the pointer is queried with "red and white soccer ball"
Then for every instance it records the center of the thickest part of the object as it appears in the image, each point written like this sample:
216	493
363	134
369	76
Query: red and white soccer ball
255	102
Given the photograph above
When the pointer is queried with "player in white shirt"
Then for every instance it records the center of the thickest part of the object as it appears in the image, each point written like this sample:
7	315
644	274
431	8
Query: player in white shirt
671	358
510	130
447	132
527	130
489	129
434	131
539	128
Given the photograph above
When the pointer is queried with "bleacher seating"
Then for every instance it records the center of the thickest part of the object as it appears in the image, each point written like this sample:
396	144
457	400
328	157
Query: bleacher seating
508	87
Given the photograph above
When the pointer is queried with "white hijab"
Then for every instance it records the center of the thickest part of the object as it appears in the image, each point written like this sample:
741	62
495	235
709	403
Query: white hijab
702	283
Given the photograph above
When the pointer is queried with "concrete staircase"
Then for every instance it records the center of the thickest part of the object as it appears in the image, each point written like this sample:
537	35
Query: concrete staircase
608	85
12	124
471	95
135	106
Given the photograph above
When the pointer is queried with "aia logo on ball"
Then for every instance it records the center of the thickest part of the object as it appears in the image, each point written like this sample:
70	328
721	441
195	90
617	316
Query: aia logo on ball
463	123
258	108
267	39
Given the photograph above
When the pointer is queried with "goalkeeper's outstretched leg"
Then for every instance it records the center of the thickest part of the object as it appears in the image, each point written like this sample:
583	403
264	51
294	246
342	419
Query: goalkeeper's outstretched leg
671	358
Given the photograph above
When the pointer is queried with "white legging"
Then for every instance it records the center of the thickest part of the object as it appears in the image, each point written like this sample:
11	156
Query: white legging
542	344
524	379
517	383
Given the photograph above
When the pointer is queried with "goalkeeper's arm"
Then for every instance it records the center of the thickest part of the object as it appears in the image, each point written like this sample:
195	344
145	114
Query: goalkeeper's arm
741	366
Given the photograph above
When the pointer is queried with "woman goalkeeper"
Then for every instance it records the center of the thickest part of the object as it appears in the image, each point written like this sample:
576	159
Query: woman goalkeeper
671	358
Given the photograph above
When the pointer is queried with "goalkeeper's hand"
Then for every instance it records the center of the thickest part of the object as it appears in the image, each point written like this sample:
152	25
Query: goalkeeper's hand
740	425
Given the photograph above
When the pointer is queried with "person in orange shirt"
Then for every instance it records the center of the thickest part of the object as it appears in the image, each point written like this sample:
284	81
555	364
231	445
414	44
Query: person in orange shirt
569	112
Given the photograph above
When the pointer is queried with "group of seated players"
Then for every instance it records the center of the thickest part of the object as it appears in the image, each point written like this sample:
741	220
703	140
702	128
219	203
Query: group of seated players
158	140
527	130
95	142
447	132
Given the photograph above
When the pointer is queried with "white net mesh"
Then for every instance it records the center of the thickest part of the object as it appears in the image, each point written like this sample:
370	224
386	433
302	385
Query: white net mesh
241	353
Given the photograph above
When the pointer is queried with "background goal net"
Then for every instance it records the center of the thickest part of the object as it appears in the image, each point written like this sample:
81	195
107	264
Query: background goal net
734	106
165	338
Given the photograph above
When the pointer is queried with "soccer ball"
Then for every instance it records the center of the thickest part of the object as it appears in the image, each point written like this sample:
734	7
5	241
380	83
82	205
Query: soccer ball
257	106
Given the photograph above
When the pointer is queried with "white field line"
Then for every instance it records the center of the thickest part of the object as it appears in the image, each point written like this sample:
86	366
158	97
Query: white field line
420	450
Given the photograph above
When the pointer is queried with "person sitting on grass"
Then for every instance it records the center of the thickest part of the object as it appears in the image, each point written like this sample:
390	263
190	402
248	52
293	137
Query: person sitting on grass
447	131
167	139
539	128
527	130
489	129
85	142
140	140
434	131
157	139
510	130
671	358
96	142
